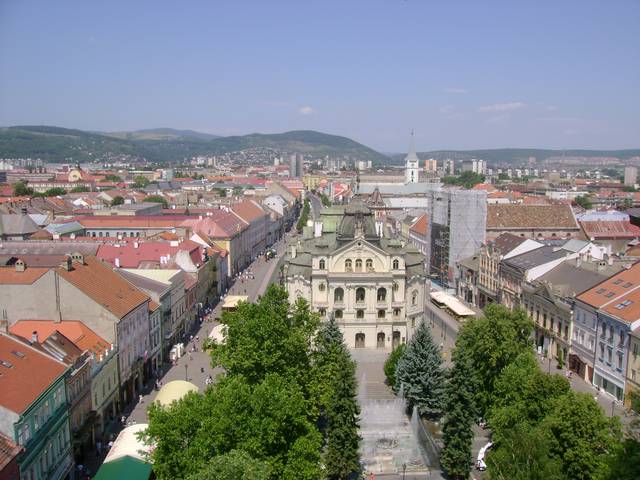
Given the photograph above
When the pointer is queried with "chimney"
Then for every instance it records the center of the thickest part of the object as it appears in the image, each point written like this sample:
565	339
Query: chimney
135	244
67	263
20	266
610	260
34	337
294	251
317	229
117	262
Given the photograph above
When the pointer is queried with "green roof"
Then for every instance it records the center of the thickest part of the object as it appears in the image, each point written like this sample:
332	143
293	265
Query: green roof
124	468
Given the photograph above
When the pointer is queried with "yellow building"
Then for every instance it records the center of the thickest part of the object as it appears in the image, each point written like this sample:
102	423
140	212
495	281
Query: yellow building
311	182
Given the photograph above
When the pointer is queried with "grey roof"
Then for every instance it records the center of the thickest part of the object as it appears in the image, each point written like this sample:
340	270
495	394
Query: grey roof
574	245
144	283
472	263
506	242
17	224
569	279
64	228
536	257
398	188
406	202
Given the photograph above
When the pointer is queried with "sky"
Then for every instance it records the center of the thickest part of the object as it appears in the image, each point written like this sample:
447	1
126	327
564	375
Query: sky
461	74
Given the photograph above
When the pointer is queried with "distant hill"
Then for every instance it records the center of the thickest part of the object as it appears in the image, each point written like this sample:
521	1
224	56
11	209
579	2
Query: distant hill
160	134
55	144
518	155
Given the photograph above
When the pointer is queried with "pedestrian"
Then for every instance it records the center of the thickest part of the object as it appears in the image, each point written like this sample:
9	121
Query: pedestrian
98	448
123	420
110	444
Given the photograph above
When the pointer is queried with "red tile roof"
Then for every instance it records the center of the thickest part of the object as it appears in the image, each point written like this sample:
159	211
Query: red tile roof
131	257
9	276
105	286
248	210
598	229
122	221
421	227
8	451
30	374
530	217
77	332
217	225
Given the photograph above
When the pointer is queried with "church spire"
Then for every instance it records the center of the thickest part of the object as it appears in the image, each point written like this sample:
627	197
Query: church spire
412	145
412	162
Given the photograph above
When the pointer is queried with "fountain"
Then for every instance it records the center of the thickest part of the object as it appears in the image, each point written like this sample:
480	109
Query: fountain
390	439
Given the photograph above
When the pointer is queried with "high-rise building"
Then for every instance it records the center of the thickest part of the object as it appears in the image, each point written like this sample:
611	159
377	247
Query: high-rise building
458	221
449	167
430	165
296	165
412	164
630	176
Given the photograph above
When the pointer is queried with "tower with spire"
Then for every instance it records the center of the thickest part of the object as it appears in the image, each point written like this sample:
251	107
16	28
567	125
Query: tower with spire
412	163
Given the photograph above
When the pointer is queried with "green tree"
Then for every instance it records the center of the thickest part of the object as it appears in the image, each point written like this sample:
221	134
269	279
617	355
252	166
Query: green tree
523	454
80	189
234	465
156	199
625	461
113	178
20	189
583	201
492	342
503	176
140	182
466	179
342	459
390	366
460	414
304	216
325	200
262	338
54	192
581	436
420	374
117	200
523	396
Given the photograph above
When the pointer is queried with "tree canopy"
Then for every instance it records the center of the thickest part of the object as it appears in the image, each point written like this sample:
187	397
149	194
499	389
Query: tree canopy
156	199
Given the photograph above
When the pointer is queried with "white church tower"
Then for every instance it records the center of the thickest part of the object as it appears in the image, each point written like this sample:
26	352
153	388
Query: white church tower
412	163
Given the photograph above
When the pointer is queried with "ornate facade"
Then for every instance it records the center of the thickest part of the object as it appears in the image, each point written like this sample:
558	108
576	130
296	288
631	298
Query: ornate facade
374	286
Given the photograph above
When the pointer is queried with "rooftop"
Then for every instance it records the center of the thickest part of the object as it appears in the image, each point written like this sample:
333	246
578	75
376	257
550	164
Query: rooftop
612	288
534	258
19	386
530	217
77	332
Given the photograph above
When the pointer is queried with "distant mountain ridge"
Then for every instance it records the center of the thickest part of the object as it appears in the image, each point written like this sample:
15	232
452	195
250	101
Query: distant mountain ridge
517	155
56	144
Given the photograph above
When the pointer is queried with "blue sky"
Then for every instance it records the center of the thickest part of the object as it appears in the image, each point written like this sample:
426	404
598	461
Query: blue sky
462	74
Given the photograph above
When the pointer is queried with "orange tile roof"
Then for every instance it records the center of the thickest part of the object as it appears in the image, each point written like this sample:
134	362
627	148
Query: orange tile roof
77	332
9	276
153	306
105	286
30	374
421	227
248	210
612	288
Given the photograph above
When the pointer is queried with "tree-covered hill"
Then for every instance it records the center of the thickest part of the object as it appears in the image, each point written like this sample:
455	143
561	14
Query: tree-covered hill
54	144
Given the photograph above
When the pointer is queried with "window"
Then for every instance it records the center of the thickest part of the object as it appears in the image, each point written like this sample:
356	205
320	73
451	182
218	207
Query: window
321	287
369	264
633	375
381	313
609	355
348	265
621	342
635	348
396	264
338	314
396	312
358	265
338	295
619	362
382	294
359	313
321	264
360	292
322	311
601	351
414	298
618	281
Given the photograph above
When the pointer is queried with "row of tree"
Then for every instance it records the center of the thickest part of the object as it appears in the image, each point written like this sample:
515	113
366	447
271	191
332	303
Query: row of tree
304	216
285	409
541	428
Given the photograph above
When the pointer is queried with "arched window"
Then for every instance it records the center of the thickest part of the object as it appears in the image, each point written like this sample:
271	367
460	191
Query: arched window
338	295
381	313
359	340
358	265
360	314
321	287
380	340
348	264
396	264
360	292
382	294
369	264
321	264
414	297
338	314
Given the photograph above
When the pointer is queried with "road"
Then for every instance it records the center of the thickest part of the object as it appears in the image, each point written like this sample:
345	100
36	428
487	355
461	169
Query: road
316	205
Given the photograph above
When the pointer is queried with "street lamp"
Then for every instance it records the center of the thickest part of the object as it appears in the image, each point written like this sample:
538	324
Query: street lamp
186	372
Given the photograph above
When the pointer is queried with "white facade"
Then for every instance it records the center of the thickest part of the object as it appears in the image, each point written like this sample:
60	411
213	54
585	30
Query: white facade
412	164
